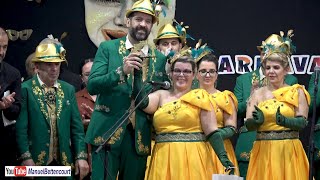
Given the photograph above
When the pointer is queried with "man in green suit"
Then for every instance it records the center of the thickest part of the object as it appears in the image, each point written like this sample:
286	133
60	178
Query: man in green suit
316	163
49	129
127	145
245	85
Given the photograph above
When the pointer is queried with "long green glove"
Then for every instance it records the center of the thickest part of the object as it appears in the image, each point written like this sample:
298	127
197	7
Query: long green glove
137	86
227	132
256	120
294	123
216	142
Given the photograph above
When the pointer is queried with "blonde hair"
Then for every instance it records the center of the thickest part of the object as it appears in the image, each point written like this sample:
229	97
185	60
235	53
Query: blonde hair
283	58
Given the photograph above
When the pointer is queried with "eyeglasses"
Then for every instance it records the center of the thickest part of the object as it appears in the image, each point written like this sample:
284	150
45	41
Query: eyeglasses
185	72
204	72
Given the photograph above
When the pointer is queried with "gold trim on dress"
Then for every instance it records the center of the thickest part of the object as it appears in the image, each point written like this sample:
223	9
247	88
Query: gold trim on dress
180	137
277	135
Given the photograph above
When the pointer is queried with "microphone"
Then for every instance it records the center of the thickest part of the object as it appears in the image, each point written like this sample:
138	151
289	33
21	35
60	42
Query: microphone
316	71
164	85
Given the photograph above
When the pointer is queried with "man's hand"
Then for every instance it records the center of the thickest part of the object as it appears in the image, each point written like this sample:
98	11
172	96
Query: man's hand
132	61
82	168
166	51
7	101
86	110
28	162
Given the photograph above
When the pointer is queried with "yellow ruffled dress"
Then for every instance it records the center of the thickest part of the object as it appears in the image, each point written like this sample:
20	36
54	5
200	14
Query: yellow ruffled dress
222	103
180	151
279	154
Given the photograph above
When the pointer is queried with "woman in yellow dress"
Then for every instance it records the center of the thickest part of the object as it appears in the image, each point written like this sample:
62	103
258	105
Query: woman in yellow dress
224	103
278	111
183	121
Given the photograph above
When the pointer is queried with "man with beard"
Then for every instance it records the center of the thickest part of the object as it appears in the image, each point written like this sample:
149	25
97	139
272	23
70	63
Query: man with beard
10	104
121	149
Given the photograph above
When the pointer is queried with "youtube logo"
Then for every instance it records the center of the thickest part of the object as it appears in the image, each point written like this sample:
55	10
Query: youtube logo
20	171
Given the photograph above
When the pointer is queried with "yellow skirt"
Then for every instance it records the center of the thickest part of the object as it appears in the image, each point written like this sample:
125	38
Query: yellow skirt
278	159
148	160
180	160
218	167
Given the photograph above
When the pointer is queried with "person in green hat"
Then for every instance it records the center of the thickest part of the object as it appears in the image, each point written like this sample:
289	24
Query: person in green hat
49	129
168	39
121	150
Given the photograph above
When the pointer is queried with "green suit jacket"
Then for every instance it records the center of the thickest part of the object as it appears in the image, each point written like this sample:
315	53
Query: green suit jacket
317	123
114	96
33	124
242	92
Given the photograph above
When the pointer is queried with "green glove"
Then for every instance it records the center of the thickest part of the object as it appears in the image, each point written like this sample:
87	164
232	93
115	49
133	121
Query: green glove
258	115
227	132
137	87
216	142
256	120
295	123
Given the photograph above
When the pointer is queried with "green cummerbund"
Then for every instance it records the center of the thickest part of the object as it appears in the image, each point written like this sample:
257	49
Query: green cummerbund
277	135
180	137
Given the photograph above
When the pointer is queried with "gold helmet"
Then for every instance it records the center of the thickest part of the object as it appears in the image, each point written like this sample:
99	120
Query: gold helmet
277	44
49	53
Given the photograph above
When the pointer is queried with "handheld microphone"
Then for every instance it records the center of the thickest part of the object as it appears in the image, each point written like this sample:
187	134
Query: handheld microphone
316	78
165	85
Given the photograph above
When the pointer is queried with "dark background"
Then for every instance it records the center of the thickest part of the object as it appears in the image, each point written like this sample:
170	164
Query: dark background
229	27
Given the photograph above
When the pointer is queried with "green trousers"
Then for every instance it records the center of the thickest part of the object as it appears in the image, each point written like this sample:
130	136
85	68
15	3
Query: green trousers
243	149
120	162
243	168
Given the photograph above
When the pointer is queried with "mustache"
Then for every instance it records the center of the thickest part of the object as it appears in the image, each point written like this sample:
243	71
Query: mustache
141	28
